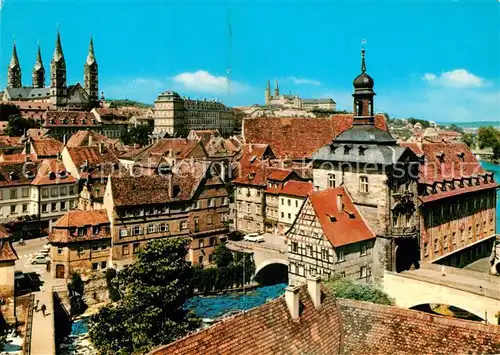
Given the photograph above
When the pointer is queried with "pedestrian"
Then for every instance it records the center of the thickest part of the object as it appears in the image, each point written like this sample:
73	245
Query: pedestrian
36	305
43	308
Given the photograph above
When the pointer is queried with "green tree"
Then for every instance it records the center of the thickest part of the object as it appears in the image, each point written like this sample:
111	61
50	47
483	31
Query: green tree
344	288
7	110
489	137
114	295
127	103
469	139
138	135
17	125
222	255
154	290
454	127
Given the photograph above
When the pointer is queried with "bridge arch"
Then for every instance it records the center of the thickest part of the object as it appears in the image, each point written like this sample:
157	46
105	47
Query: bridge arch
409	292
271	272
265	263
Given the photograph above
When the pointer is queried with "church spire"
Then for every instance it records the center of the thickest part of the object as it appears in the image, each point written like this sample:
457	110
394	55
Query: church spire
277	89
38	76
91	55
363	63
363	95
14	72
58	52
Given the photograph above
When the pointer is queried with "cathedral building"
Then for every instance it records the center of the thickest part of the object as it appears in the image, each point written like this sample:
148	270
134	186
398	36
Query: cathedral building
295	102
59	95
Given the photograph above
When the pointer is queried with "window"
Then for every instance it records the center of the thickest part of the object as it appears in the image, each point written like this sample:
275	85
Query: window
289	202
211	258
248	208
137	230
53	192
324	254
95	266
282	201
342	274
13	193
282	214
295	247
13	209
135	248
309	250
340	256
45	192
54	206
95	247
331	180
104	246
25	208
296	203
211	202
81	250
289	216
64	191
363	249
363	184
81	231
200	259
445	241
209	220
225	201
63	206
71	190
201	243
163	227
125	250
103	264
213	240
426	249
436	245
123	232
45	207
364	272
183	225
60	250
95	229
26	191
239	206
151	228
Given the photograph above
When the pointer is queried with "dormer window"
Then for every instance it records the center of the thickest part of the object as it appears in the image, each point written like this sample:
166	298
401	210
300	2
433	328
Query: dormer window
333	148
52	175
51	121
82	231
62	174
440	157
347	149
362	150
73	121
461	156
12	175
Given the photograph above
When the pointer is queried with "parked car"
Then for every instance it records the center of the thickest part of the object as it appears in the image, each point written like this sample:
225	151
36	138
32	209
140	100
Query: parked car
254	237
40	259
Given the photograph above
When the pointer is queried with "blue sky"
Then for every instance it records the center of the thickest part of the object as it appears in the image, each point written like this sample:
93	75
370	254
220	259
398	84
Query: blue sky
437	60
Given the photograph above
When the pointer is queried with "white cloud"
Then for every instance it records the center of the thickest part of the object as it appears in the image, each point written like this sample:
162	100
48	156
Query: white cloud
303	81
203	81
142	89
458	78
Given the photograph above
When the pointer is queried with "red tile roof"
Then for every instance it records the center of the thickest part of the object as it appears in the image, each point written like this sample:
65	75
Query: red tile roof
7	251
379	330
17	158
82	218
52	172
17	174
297	188
299	137
86	138
278	174
178	148
47	147
268	329
92	156
69	118
414	146
3	232
458	191
340	227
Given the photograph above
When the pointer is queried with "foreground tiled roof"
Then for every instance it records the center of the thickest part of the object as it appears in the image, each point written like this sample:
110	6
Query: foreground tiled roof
86	138
341	227
82	218
51	172
47	147
297	188
375	329
159	189
299	137
7	251
268	329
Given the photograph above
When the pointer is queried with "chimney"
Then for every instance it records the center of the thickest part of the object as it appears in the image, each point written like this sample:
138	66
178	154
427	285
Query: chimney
170	186
340	205
250	148
90	139
100	148
64	139
292	300
314	289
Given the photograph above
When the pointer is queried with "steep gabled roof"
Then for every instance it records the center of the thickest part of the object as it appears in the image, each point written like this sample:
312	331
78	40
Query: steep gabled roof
51	172
297	188
46	147
86	138
82	218
342	224
7	251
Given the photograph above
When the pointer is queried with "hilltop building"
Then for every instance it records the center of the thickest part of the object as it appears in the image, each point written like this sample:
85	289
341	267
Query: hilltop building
295	102
58	94
176	116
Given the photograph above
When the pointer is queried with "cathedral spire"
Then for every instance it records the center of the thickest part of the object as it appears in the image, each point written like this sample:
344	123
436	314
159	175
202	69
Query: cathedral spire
277	89
14	72
363	63
91	55
363	95
38	77
58	52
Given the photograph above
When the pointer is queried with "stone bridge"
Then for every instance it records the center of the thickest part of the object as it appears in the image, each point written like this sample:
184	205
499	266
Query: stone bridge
475	292
264	253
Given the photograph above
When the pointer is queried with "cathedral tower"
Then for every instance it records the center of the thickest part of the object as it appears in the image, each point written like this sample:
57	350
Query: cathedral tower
276	90
14	71
268	93
58	88
38	75
90	74
363	95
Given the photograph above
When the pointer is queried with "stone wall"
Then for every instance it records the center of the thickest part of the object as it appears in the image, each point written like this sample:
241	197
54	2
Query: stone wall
96	289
